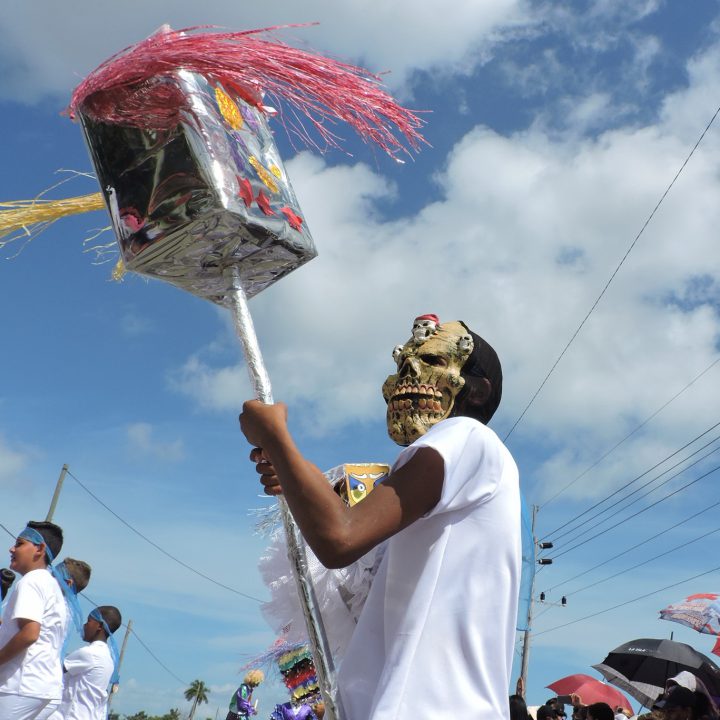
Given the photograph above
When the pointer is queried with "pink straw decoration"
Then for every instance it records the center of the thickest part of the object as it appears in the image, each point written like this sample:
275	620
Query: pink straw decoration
128	88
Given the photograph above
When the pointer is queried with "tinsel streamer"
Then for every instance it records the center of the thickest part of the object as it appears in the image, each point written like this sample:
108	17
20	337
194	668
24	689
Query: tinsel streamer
29	217
128	88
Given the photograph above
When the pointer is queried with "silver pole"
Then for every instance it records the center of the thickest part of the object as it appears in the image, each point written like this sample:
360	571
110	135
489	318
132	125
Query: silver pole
296	550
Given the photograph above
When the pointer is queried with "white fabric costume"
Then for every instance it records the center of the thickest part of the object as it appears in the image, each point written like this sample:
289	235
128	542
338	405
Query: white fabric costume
87	676
435	637
35	673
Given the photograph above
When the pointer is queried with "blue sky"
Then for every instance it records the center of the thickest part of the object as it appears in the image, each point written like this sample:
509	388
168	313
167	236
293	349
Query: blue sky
555	128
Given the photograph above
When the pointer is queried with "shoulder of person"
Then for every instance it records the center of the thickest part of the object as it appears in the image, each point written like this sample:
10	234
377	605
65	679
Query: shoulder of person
462	427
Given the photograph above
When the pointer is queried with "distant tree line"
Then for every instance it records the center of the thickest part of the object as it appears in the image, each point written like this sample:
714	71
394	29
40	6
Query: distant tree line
197	692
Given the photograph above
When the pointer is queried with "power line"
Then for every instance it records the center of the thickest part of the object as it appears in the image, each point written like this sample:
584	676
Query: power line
549	535
640	512
634	547
630	434
649	492
628	602
139	639
645	562
612	276
12	535
157	659
162	550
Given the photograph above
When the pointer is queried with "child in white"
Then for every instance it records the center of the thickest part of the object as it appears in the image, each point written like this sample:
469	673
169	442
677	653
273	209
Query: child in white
88	671
32	632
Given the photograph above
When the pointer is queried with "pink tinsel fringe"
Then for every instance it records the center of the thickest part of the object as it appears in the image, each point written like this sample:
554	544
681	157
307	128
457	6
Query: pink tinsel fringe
126	89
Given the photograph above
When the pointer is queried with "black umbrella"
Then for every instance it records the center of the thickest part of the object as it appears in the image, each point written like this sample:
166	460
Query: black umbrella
642	667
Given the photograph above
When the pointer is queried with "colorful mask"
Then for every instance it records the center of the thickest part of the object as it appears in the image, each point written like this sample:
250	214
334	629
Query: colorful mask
428	380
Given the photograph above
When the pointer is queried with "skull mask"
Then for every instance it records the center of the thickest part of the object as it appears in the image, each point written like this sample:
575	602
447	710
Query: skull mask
428	380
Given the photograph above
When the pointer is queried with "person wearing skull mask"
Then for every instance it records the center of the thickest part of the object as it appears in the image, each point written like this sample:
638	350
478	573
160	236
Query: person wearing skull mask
439	621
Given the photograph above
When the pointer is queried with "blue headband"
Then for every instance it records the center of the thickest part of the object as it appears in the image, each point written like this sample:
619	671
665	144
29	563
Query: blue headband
97	615
33	536
61	575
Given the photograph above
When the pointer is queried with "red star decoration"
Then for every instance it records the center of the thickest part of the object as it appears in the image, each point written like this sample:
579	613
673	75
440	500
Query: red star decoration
263	202
294	220
245	191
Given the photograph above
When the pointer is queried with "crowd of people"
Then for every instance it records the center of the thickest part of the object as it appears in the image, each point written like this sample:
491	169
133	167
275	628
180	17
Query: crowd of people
685	698
38	679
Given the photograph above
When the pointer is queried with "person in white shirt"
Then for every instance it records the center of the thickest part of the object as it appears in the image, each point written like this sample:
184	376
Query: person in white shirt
33	628
435	637
89	670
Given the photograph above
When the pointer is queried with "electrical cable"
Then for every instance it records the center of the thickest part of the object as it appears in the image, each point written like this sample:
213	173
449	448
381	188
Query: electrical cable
139	639
156	658
630	434
640	512
163	551
649	492
549	535
644	562
612	276
627	602
633	547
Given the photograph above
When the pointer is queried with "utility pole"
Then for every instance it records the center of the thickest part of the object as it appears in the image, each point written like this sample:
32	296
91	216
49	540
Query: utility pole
115	687
528	627
526	636
56	494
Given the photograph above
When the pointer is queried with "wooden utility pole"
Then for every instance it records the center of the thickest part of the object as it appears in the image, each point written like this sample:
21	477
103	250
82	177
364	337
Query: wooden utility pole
526	637
115	688
56	494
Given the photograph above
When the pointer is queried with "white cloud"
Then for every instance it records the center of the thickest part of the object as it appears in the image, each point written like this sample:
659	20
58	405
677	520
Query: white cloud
142	440
400	37
523	235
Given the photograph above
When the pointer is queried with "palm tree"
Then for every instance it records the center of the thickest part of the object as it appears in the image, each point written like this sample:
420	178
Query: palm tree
198	693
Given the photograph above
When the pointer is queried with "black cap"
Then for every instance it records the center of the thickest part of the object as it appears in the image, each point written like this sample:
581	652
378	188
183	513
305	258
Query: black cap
484	362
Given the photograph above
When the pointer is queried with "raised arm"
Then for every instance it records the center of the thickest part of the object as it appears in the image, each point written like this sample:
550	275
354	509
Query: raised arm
338	535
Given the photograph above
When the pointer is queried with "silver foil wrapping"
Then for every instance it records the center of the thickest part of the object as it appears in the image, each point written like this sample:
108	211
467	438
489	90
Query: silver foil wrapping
317	638
208	194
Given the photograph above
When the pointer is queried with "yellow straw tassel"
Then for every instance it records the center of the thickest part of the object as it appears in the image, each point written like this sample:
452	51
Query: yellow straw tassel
23	214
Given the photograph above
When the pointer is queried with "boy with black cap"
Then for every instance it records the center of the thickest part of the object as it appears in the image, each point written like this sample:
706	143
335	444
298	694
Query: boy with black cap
33	628
438	627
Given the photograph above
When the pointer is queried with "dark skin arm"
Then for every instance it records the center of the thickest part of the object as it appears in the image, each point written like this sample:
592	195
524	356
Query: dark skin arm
28	633
337	534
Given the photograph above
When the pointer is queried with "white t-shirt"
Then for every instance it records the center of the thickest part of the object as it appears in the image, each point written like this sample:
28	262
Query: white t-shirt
87	676
436	635
37	672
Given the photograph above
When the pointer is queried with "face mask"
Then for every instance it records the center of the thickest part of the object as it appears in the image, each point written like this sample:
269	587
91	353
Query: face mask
428	380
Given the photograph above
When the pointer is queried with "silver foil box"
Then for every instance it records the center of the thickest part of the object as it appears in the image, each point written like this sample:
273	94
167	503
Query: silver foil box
209	193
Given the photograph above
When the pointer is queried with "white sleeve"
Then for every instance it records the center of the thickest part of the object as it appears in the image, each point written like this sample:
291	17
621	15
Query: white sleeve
473	458
30	602
79	661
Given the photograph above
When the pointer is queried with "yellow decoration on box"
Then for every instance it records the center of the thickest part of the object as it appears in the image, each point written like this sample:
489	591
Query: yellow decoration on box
264	175
228	109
